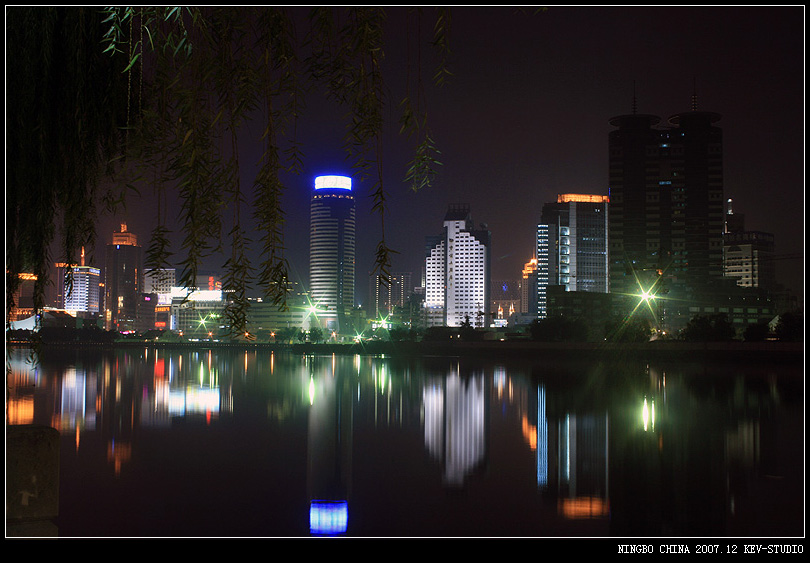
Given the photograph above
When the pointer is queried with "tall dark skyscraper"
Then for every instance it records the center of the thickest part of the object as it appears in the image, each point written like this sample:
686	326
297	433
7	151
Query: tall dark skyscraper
332	250
123	280
666	204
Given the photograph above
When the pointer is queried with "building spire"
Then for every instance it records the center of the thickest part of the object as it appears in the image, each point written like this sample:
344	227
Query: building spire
694	94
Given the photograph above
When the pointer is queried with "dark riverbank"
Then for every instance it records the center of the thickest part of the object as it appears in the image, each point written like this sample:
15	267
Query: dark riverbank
768	352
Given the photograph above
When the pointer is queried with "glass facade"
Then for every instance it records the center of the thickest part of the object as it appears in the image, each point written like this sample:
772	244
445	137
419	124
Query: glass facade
332	250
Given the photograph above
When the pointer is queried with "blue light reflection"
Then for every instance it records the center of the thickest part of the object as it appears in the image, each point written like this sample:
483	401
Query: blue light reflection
328	517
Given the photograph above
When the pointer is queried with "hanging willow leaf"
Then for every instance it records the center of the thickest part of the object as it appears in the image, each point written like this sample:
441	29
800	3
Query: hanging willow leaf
65	103
236	284
158	253
422	168
441	42
122	94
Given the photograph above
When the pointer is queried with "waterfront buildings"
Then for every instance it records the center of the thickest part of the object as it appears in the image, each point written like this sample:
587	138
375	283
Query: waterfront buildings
572	246
123	280
197	313
666	194
748	256
160	281
506	300
528	287
23	300
457	272
542	273
386	296
578	225
332	250
83	296
666	208
77	287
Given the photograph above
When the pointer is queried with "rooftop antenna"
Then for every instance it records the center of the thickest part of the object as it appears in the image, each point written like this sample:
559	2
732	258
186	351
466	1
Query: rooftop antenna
635	105
694	95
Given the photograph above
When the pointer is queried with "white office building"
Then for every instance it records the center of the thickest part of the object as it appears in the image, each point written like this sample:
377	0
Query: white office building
161	282
84	295
457	272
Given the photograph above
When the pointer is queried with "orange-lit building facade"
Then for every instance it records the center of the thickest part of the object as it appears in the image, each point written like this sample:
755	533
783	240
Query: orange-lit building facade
572	246
123	280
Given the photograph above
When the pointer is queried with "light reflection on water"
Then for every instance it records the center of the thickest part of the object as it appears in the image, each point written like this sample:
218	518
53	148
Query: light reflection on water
254	443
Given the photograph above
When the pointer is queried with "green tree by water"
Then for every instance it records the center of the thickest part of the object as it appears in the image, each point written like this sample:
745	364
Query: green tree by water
316	334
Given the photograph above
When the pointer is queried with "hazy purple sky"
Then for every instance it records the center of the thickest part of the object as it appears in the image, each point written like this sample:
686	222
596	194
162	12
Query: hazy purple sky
525	117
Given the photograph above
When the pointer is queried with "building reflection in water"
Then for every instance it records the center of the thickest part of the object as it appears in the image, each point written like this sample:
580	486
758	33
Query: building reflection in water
455	424
329	447
570	454
653	454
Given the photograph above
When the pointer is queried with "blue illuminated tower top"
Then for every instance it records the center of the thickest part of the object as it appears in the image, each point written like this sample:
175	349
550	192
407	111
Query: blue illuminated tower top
333	183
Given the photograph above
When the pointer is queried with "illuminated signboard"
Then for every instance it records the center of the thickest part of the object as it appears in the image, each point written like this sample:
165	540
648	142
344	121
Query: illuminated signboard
582	198
333	182
196	295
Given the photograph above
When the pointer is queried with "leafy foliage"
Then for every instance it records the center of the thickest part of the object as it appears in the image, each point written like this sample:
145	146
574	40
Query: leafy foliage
708	328
155	96
558	329
65	110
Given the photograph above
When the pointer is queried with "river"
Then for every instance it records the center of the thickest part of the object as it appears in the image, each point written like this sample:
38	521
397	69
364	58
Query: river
235	443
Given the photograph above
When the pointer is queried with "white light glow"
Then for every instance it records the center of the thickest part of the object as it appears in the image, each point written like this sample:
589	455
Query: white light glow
333	182
196	295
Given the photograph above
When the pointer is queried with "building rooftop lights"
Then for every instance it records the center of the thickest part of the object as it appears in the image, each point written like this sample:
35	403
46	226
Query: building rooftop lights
582	198
333	182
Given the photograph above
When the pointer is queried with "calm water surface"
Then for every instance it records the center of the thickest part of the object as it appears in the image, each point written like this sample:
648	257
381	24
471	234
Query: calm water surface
228	443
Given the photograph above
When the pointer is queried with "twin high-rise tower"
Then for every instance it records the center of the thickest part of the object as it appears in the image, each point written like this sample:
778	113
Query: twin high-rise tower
666	203
661	232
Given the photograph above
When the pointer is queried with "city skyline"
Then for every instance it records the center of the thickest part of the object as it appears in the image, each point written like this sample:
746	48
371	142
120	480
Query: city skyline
558	76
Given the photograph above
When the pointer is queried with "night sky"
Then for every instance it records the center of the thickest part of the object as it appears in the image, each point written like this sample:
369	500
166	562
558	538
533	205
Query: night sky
525	117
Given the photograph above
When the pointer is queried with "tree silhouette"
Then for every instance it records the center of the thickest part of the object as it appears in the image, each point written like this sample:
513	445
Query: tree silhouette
708	328
154	96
